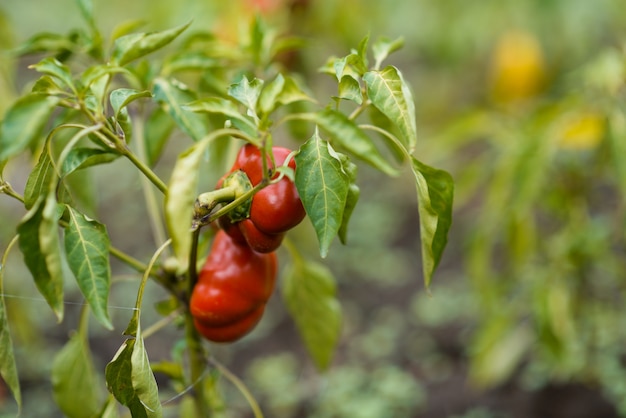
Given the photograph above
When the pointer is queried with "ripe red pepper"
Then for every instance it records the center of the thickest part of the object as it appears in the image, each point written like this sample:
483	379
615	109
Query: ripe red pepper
232	289
274	209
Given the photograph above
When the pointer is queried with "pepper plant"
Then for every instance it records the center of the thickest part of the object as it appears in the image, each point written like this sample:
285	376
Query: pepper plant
137	96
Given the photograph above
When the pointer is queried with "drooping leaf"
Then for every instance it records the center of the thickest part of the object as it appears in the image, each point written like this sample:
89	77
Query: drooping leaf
24	122
390	94
322	184
87	247
435	192
74	379
351	199
97	72
383	47
226	108
247	93
45	42
120	98
52	67
83	157
173	95
130	379
347	135
8	367
182	193
309	291
136	45
47	275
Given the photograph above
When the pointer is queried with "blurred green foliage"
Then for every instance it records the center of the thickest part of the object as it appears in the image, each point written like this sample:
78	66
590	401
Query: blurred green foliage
523	103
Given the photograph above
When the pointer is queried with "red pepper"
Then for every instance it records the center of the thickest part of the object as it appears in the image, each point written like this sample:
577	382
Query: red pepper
274	209
232	289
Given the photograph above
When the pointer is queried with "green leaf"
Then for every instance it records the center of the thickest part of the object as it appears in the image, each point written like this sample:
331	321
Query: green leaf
83	157
74	382
130	379
158	128
351	199
8	368
350	89
190	61
87	247
24	122
383	47
45	42
322	184
247	93
346	135
391	95
130	47
39	180
37	236
97	72
120	98
216	105
280	92
54	68
435	192
179	201
173	95
309	291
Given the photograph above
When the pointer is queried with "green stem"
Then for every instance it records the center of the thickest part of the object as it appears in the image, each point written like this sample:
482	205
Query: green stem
193	261
8	190
127	259
256	410
390	136
144	169
359	110
232	205
197	365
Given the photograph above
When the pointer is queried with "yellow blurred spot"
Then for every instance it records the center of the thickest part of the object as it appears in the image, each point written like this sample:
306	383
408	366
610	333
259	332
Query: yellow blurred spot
517	67
584	131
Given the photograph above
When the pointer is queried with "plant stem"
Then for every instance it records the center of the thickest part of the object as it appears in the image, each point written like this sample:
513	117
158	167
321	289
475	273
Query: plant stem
256	410
144	169
197	365
8	190
127	259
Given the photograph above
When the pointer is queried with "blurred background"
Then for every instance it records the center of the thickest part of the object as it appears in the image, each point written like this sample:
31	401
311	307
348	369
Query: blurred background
523	103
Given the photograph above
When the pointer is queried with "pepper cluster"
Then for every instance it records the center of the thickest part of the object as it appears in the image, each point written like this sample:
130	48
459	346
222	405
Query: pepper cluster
239	275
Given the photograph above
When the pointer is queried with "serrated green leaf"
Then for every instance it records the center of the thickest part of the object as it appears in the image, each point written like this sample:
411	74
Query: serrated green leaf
130	47
309	291
390	94
322	184
348	136
74	382
47	275
81	157
224	107
87	247
247	93
8	367
24	122
130	379
435	193
54	68
173	95
383	47
158	128
120	98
